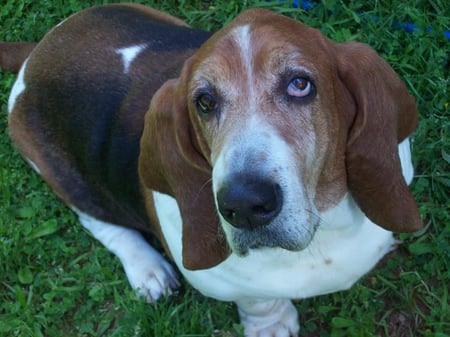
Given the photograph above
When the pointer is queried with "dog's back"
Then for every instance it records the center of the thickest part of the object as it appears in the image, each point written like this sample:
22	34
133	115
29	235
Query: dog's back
97	76
13	54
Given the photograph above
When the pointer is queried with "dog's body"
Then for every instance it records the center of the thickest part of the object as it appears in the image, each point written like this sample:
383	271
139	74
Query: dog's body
244	157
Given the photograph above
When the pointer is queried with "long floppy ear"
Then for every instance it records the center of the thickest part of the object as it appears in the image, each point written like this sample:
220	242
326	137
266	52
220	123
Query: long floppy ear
170	162
385	114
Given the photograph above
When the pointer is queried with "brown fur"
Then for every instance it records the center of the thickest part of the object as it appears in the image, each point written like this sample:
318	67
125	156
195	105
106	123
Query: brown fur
346	120
360	114
13	54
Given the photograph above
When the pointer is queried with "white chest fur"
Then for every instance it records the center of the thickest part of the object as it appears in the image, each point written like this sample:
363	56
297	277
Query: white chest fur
345	247
336	258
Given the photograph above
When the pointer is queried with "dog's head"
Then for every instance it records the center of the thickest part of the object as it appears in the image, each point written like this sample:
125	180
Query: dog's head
270	124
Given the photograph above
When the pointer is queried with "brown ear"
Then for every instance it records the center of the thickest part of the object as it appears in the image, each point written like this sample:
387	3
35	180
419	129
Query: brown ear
171	163
385	114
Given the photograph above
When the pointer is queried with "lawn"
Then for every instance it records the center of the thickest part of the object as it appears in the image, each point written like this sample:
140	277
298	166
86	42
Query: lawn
56	280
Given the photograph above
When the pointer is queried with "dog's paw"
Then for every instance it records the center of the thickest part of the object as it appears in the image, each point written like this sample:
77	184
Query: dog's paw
150	274
268	318
394	245
147	271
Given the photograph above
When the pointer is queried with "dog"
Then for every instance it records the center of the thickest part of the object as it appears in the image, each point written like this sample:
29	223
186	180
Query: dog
270	162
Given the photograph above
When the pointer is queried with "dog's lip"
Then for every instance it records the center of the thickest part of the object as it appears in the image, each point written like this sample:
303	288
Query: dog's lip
244	251
245	240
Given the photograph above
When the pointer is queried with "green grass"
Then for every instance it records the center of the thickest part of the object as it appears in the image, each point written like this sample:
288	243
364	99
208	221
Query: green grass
55	280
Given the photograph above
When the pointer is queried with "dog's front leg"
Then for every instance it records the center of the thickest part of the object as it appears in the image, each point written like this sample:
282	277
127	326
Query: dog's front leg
147	271
268	317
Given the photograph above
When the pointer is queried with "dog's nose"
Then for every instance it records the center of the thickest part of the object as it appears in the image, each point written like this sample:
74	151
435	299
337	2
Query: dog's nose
249	203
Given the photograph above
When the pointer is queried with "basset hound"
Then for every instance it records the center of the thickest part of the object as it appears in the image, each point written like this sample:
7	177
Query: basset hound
271	162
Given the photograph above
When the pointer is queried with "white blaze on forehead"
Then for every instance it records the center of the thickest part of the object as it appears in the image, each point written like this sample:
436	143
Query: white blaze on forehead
129	54
18	87
242	37
243	41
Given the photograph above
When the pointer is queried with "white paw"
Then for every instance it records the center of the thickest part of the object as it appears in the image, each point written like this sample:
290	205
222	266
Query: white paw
147	271
150	274
394	245
268	318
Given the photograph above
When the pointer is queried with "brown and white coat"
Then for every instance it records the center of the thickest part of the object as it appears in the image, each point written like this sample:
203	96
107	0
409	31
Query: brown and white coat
271	162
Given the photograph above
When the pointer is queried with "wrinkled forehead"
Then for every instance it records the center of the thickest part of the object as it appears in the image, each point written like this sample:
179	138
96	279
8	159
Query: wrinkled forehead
263	47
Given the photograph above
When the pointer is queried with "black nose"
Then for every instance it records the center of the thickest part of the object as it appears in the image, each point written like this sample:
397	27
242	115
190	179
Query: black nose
249	203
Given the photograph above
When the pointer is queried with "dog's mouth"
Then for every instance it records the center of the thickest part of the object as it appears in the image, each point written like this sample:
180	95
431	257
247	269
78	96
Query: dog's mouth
255	214
294	238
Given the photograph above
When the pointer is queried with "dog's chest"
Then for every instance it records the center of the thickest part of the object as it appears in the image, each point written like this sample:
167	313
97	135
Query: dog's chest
335	259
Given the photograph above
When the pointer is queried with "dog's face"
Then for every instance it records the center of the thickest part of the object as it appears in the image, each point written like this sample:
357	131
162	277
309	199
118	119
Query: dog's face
260	99
283	123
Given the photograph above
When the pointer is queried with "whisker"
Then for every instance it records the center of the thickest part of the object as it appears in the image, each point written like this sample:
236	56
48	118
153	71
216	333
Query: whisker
206	183
320	220
316	251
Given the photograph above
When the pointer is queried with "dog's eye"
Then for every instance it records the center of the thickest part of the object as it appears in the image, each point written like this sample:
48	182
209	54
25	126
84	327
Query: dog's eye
299	87
206	103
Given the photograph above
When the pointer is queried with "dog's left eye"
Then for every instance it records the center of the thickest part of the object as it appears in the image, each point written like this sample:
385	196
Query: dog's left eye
299	87
206	103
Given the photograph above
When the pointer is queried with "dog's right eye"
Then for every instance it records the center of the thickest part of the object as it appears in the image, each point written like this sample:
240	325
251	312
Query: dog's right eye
299	87
206	104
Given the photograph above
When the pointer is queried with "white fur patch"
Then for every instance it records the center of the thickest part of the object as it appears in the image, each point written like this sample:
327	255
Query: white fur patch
262	282
147	271
404	151
129	54
345	247
243	41
18	88
33	165
334	260
268	317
